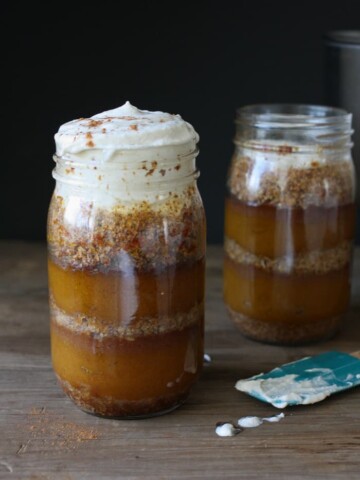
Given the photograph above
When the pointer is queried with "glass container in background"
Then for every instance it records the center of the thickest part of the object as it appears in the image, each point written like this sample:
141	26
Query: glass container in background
341	75
342	80
289	222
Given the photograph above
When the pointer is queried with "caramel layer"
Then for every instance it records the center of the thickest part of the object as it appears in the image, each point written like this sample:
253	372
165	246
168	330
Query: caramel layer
119	370
285	298
118	298
267	230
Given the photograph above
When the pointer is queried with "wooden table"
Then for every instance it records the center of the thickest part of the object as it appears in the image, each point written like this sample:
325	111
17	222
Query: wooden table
44	436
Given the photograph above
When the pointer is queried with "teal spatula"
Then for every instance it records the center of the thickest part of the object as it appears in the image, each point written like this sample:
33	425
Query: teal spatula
305	381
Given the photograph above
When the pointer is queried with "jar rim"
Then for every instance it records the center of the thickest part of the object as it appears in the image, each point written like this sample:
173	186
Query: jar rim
343	38
291	115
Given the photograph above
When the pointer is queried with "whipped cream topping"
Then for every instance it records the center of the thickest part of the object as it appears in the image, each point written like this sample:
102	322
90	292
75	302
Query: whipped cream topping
124	128
125	155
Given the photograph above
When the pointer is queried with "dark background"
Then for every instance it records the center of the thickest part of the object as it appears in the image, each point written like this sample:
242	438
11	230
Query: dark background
202	59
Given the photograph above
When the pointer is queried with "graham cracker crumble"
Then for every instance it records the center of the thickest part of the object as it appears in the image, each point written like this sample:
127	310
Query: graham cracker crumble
327	184
94	328
286	334
118	239
317	262
54	431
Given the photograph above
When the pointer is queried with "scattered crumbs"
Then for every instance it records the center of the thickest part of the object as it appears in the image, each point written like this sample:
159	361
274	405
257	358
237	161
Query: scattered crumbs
207	359
48	429
90	144
100	177
133	126
177	167
162	172
103	130
88	135
224	429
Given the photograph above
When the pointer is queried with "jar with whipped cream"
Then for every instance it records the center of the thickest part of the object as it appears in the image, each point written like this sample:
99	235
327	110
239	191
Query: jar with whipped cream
126	243
289	222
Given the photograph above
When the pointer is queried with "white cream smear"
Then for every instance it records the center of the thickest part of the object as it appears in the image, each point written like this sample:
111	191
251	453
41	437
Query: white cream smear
252	422
287	390
229	430
125	154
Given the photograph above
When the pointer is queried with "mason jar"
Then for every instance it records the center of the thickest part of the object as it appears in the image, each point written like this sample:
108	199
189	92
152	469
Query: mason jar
289	222
126	243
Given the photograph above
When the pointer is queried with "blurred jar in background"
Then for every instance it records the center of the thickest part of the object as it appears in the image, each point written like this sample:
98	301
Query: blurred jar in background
289	222
342	80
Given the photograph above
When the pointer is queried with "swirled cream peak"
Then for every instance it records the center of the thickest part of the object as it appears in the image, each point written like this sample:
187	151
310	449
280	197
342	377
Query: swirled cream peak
124	128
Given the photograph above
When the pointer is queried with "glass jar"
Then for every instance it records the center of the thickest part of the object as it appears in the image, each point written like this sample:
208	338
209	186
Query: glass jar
289	222
126	278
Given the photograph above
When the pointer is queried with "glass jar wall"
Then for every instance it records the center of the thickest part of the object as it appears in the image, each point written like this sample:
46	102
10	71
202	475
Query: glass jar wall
289	222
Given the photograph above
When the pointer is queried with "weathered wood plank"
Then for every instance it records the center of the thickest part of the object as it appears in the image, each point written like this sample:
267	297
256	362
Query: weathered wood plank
43	436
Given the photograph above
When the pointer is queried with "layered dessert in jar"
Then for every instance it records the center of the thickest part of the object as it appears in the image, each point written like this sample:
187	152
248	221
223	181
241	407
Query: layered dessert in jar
126	237
289	223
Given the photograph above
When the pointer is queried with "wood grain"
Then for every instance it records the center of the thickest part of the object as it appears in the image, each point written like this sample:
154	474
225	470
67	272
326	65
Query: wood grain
43	436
